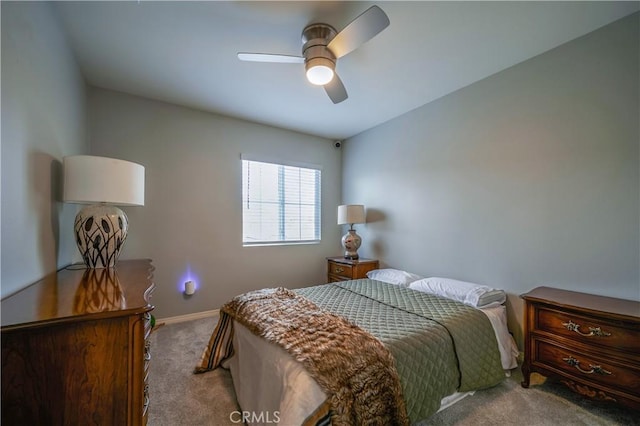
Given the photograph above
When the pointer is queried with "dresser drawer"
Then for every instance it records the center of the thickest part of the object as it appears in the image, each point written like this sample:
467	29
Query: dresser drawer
341	269
588	330
587	367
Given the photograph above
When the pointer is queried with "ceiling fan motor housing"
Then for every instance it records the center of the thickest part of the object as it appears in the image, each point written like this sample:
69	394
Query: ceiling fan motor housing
315	38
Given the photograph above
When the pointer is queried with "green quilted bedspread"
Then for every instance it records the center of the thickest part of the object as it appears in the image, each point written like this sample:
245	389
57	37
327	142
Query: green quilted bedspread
440	345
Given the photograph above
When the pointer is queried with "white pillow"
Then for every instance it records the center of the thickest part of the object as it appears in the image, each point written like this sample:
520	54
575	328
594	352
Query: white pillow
393	276
472	294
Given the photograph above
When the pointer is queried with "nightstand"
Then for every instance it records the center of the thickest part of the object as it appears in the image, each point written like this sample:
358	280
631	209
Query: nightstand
591	343
341	269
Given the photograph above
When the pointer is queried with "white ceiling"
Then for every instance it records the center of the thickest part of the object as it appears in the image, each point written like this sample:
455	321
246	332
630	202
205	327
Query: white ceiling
185	53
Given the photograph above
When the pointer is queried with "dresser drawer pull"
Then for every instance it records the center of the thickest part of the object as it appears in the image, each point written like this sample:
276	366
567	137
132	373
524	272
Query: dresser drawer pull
146	400
593	331
594	368
147	350
339	270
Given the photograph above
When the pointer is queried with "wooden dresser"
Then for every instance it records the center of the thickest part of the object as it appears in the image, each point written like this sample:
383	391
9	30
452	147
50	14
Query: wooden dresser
75	347
341	269
591	343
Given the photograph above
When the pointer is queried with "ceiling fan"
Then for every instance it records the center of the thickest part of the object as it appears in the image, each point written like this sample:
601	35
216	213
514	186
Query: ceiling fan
323	46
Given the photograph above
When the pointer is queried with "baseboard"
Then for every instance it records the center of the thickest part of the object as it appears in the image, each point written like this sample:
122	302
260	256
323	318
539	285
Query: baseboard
188	317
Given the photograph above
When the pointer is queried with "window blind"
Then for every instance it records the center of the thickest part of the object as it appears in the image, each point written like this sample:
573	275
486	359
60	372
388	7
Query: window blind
280	203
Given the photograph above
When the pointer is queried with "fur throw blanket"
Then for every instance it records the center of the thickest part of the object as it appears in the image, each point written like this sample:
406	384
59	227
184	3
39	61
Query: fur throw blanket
355	370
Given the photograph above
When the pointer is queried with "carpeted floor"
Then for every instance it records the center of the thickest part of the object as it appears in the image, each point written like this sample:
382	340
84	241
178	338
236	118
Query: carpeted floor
179	397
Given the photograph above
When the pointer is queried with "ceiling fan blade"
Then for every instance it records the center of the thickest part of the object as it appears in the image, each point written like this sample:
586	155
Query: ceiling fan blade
267	57
359	31
335	89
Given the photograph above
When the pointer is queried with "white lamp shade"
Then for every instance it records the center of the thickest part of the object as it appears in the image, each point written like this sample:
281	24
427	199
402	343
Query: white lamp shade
89	179
351	213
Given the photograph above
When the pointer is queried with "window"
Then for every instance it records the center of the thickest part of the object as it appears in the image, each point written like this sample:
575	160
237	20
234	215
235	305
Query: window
280	203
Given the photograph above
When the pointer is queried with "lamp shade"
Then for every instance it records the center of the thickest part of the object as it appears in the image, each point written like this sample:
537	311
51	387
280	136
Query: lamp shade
89	179
350	214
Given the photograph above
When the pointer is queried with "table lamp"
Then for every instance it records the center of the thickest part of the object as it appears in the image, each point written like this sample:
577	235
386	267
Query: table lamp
103	183
350	214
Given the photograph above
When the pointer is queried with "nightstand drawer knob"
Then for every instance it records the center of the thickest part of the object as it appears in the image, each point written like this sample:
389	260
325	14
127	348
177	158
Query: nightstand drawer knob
594	368
339	270
593	331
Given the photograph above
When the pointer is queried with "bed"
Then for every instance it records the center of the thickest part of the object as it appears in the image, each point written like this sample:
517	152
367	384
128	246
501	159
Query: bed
440	350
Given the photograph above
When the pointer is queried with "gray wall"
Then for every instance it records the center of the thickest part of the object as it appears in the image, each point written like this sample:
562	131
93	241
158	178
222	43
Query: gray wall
43	119
527	178
192	217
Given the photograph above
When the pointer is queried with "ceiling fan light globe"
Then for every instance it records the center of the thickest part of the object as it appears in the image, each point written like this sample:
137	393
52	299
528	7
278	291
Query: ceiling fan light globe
319	75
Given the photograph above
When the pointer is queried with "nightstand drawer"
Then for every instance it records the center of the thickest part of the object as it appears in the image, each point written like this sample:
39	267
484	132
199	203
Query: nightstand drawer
586	367
341	269
588	330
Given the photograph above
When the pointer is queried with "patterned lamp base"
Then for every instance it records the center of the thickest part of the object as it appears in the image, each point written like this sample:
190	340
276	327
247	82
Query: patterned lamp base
351	243
100	233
